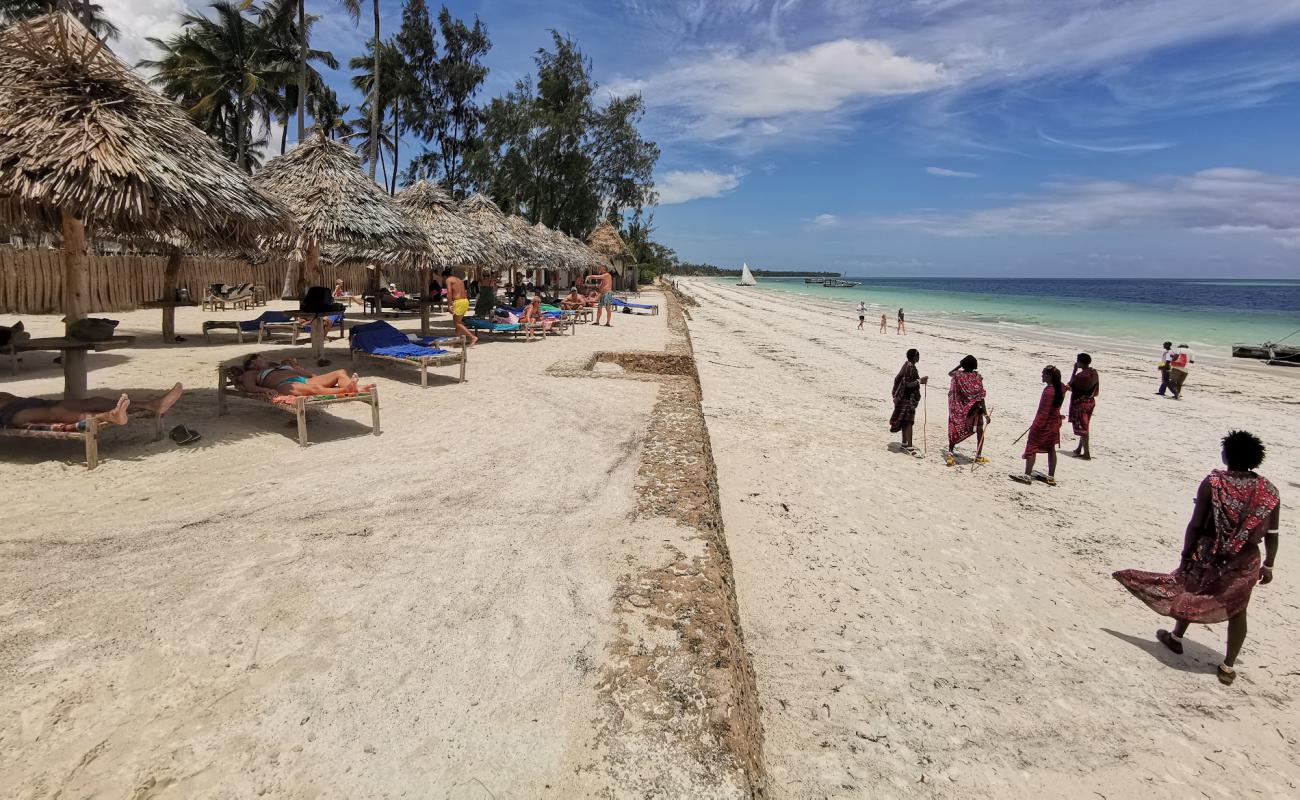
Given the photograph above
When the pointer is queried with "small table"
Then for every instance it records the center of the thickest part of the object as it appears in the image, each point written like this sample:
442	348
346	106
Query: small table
74	357
169	314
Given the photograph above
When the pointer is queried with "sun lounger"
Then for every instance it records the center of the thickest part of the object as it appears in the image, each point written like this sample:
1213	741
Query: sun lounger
294	326
228	384
220	296
480	325
86	431
618	303
247	326
382	342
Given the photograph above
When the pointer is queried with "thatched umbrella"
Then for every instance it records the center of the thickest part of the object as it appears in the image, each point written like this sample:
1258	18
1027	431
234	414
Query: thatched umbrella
336	205
492	229
452	240
85	144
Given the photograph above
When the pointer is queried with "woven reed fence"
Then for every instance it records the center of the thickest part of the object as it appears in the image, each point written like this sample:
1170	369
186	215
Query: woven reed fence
31	281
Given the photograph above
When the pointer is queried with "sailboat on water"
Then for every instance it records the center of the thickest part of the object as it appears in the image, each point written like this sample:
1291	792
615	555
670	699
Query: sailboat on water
746	277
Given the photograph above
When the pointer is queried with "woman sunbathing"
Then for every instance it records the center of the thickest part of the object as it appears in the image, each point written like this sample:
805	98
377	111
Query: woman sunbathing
533	316
273	379
16	412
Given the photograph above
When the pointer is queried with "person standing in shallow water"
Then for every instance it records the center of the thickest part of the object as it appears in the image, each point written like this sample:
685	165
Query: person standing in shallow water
1045	431
967	411
1220	564
1085	386
907	395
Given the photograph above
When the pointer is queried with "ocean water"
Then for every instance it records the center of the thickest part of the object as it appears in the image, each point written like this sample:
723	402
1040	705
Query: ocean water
1209	315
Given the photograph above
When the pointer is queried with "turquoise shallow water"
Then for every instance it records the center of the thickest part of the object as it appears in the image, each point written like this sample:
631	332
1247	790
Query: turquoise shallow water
1209	315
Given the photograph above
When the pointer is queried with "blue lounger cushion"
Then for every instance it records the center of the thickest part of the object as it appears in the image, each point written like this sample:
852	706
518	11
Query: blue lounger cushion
480	324
253	325
381	339
617	303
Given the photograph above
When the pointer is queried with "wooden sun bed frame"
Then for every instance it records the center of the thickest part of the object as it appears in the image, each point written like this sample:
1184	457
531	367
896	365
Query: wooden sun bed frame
296	327
90	436
299	408
212	302
424	362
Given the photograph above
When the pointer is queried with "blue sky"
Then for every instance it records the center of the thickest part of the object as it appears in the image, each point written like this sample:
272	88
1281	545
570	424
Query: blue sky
934	137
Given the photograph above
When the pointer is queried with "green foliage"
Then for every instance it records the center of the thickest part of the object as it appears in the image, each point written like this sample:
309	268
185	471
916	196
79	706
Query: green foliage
550	154
90	14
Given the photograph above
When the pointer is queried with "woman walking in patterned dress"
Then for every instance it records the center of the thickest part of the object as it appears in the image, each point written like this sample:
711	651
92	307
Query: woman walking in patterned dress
1236	508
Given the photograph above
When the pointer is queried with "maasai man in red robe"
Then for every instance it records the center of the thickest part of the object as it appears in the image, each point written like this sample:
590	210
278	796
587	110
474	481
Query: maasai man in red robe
1044	434
1085	386
907	394
1220	565
967	412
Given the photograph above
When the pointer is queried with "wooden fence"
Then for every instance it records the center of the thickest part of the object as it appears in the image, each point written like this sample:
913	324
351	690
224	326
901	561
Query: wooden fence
31	281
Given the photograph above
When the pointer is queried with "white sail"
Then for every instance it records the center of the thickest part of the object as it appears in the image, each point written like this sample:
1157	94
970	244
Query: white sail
746	277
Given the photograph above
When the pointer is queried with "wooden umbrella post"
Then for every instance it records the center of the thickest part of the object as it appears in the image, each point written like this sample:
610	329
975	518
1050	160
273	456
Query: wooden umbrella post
171	276
76	302
311	271
425	300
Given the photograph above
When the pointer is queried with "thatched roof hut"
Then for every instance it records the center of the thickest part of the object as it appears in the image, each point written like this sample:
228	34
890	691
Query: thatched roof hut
82	134
493	230
540	251
452	240
606	242
84	143
336	205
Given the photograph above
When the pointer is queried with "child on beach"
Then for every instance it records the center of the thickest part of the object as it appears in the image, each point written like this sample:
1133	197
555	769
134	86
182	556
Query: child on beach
884	323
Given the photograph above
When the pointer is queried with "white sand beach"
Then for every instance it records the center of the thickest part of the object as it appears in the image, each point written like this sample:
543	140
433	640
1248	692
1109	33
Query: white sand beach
925	631
440	607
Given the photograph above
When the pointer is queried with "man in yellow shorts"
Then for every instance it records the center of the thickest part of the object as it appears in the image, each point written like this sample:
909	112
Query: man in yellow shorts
459	301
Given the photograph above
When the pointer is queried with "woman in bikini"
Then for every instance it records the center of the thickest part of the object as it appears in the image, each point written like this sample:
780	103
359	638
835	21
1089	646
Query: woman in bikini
260	376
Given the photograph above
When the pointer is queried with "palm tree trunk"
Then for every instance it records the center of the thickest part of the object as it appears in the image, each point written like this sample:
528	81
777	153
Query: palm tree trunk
397	144
241	139
374	102
302	69
284	133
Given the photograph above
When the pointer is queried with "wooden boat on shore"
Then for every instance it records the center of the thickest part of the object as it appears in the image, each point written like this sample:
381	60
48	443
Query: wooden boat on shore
1273	353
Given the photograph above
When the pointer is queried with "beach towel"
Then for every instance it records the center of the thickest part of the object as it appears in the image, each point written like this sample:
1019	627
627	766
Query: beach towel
617	303
474	323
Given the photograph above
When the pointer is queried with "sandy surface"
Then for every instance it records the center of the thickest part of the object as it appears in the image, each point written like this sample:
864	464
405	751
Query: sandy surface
426	613
919	630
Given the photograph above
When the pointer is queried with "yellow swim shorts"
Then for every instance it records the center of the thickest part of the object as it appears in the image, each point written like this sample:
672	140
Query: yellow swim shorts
459	308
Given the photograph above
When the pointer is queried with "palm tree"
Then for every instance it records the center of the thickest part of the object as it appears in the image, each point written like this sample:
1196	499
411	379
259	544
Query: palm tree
281	28
90	14
220	71
328	113
391	95
353	7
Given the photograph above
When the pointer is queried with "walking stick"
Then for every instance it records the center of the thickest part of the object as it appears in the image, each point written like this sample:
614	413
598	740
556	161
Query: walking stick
1021	436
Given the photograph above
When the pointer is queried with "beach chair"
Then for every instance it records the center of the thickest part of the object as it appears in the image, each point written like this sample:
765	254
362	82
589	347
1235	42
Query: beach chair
380	341
480	325
228	384
634	307
247	326
86	431
294	326
220	296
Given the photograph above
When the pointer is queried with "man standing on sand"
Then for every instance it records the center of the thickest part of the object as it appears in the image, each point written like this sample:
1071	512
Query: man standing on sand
459	302
1165	357
862	314
1178	368
605	295
907	394
1085	387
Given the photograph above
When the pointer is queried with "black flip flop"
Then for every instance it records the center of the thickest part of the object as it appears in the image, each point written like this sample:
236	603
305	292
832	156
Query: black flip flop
1167	639
1226	674
183	435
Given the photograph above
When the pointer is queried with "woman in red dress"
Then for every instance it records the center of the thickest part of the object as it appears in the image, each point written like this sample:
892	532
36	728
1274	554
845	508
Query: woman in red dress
1045	431
967	411
1235	509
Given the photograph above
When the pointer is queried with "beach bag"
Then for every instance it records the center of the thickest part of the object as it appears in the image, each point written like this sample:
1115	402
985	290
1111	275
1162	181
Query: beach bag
1179	362
93	329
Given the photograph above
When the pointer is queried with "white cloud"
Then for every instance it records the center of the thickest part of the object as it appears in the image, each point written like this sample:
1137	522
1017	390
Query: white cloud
681	186
950	173
1109	147
1222	200
141	19
825	221
729	93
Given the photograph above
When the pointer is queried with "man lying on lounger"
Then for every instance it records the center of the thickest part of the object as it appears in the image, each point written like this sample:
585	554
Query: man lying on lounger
16	412
270	378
